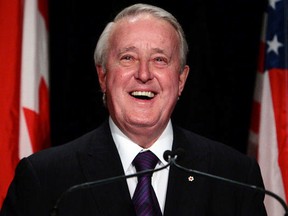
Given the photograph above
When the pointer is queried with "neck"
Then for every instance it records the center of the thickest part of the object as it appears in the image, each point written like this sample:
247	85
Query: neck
144	137
141	135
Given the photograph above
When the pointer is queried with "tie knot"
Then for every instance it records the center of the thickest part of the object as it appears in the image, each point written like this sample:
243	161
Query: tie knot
145	160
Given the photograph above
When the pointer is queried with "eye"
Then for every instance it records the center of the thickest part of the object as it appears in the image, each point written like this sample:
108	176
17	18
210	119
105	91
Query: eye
127	58
160	60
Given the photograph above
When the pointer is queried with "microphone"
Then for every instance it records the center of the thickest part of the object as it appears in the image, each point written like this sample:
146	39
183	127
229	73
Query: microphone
172	156
176	155
54	211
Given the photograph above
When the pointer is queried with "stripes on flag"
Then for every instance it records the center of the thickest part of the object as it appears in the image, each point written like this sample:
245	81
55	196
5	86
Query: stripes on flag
269	127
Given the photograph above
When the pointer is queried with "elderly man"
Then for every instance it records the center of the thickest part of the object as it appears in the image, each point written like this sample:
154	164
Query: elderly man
141	64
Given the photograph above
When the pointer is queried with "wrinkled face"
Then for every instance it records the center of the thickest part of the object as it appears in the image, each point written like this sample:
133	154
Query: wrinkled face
143	79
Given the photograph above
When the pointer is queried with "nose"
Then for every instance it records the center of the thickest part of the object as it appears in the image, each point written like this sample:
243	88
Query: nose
144	73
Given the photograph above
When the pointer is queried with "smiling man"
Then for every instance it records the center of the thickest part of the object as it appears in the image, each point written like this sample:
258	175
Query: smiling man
142	75
141	64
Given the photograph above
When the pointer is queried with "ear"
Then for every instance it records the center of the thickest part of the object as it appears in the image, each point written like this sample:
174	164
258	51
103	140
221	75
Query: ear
101	77
182	79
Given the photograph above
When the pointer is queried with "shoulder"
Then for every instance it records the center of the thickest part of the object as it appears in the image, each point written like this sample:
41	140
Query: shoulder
194	140
220	157
69	150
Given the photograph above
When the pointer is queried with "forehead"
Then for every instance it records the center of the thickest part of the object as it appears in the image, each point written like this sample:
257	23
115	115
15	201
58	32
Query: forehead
144	29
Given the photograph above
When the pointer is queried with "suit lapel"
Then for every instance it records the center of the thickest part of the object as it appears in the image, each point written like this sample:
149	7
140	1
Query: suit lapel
102	161
186	192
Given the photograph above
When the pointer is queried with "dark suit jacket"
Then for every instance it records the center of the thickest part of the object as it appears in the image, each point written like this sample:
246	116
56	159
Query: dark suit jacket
42	177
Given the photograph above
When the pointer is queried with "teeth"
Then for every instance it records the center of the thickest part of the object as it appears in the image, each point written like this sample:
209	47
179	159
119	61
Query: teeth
143	94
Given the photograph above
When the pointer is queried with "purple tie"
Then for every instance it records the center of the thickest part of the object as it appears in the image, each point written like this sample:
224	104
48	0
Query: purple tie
144	198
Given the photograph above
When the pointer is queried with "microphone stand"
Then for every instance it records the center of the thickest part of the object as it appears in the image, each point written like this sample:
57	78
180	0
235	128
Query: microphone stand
54	211
172	160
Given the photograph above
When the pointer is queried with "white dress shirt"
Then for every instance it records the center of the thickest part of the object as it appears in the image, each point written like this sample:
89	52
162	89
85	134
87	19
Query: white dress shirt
128	150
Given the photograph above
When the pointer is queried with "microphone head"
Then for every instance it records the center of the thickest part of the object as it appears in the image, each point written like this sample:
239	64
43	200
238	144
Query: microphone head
166	155
177	154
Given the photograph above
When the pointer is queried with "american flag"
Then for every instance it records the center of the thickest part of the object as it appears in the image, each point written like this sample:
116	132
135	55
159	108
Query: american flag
269	129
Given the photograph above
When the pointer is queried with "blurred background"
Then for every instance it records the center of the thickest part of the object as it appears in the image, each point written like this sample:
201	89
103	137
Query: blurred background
223	38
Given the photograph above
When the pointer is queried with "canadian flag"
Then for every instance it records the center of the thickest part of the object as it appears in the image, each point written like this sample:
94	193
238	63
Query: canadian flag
24	84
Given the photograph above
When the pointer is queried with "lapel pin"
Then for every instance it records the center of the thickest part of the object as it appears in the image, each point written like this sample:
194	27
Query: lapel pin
190	178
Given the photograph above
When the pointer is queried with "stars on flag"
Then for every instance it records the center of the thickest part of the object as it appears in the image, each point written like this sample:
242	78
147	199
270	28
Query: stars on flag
275	38
274	45
272	3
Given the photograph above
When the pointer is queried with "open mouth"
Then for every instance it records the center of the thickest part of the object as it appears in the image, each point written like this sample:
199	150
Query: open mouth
143	95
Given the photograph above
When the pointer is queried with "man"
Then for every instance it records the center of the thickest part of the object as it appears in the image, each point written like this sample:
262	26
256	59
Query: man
141	65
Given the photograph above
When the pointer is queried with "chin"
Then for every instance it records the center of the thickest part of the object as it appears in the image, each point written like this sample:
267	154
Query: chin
140	122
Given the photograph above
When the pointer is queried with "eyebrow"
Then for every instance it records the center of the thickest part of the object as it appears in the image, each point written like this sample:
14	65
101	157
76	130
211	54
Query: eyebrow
127	49
158	50
133	48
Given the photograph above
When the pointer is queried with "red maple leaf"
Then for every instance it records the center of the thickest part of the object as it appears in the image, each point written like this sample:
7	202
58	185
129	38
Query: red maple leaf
38	124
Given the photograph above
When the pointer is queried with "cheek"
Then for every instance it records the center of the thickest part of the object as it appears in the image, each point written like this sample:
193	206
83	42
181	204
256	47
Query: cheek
116	84
171	83
114	79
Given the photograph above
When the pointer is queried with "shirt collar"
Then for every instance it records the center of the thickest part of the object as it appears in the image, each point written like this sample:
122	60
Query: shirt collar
128	149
